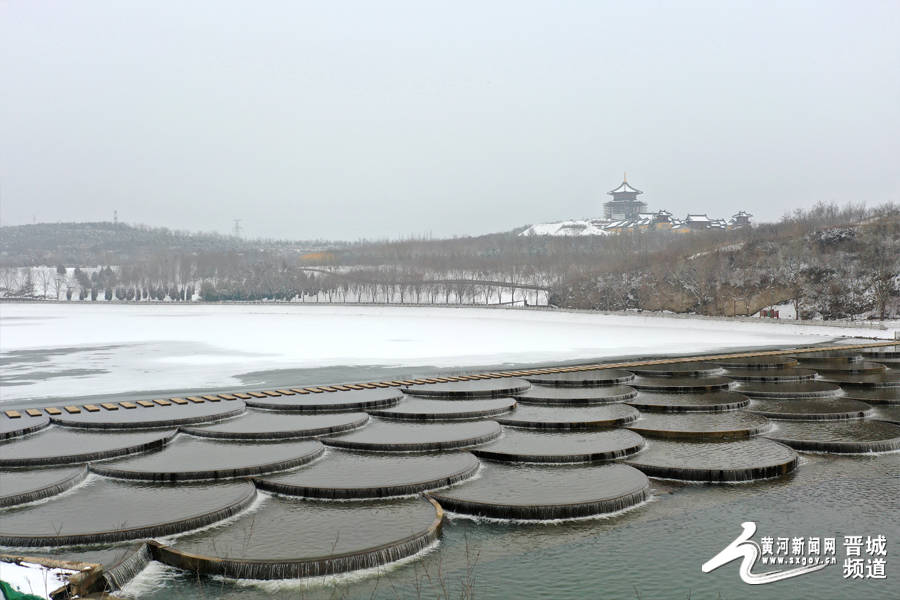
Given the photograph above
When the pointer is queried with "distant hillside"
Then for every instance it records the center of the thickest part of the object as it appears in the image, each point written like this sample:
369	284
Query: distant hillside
109	243
831	262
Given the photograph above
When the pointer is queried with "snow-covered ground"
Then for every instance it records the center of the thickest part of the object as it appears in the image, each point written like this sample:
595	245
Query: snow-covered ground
30	578
577	227
72	350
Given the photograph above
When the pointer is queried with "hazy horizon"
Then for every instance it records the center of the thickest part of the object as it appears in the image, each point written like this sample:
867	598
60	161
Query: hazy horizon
343	121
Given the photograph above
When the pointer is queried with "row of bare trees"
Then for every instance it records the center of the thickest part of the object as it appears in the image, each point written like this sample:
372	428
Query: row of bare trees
831	261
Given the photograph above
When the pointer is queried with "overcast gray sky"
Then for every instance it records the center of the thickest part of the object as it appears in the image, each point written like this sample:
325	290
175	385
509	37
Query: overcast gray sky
380	119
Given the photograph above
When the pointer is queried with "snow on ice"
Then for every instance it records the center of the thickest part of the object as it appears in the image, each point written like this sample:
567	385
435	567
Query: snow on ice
65	350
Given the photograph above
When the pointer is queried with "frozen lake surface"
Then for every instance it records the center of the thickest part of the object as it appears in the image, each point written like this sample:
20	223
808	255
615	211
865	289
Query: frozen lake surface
64	350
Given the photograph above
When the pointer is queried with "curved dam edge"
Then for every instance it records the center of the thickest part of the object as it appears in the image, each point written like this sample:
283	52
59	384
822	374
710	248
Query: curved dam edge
209	474
688	408
149	425
586	425
31	427
839	447
270	435
361	406
117	575
544	512
456	416
575	457
710	475
414	447
135	533
287	568
712	435
65	459
46	491
365	493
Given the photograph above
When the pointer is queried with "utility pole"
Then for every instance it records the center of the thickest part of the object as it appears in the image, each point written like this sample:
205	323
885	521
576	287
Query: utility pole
237	228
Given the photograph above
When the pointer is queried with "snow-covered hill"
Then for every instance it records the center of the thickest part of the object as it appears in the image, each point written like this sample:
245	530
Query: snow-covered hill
569	228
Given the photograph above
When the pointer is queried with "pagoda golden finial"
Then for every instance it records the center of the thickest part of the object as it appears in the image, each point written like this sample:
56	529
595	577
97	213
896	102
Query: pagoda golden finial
625	177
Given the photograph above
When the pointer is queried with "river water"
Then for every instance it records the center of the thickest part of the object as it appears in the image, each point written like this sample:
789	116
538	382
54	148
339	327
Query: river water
652	551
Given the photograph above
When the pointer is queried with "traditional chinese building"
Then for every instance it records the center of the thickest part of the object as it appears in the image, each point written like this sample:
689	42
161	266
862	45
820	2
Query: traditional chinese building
625	213
695	222
740	219
625	204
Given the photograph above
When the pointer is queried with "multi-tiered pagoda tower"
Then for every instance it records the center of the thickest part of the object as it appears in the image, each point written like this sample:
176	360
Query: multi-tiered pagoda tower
624	205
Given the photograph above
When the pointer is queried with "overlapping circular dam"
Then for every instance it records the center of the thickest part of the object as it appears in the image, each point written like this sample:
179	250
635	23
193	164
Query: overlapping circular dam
311	481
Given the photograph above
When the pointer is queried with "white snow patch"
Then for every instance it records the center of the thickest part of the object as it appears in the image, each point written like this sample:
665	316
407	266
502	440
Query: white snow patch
576	227
129	348
30	578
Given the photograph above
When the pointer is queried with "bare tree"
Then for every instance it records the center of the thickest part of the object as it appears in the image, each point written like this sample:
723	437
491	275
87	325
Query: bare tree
45	278
59	284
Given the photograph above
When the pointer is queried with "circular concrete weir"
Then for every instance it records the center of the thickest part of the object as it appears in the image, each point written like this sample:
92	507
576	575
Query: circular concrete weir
810	409
891	414
829	356
758	362
479	388
863	367
344	475
535	492
701	427
679	369
424	409
288	538
698	402
742	460
188	459
62	445
887	379
681	384
21	486
268	425
384	436
578	379
799	389
12	428
555	396
773	375
881	352
153	417
570	418
839	437
874	395
521	445
890	363
106	511
340	401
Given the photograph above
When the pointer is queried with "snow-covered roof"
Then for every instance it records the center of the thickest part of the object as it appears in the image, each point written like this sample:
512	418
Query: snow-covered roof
625	187
643	220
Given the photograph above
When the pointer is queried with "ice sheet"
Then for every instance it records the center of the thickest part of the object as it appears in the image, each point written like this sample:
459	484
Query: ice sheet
66	350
